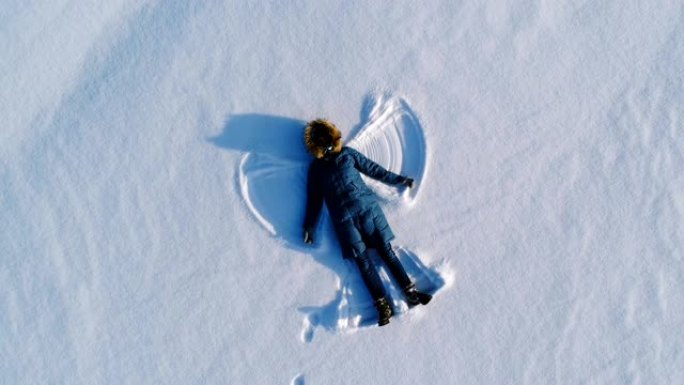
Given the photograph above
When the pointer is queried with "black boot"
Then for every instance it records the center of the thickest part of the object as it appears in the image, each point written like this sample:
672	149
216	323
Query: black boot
415	297
384	311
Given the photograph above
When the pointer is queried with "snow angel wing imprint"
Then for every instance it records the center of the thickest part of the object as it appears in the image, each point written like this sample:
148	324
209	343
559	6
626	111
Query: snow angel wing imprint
273	187
393	138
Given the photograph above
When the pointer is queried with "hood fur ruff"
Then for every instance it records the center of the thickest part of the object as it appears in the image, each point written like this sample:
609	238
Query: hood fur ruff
319	134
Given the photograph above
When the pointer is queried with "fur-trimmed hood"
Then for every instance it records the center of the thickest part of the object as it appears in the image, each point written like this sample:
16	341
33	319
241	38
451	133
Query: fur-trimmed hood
320	134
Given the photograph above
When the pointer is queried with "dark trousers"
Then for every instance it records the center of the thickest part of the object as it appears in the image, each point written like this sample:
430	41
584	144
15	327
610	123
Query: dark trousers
370	275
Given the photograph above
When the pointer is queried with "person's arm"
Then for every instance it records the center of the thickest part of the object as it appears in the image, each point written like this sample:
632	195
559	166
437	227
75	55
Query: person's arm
314	204
375	171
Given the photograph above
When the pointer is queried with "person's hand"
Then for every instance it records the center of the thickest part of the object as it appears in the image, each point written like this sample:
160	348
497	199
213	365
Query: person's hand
308	239
408	182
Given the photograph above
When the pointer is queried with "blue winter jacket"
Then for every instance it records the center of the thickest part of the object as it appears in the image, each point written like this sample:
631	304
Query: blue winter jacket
358	220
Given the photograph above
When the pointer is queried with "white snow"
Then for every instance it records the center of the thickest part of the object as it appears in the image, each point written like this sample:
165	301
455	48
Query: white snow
152	185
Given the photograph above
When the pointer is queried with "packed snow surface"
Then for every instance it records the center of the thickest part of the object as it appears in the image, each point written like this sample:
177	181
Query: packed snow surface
152	186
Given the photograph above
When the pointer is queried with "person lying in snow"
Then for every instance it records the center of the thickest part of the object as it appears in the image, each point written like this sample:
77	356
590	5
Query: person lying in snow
359	222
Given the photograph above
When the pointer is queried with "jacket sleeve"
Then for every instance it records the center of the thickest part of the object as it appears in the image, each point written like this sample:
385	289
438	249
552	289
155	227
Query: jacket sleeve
314	200
374	170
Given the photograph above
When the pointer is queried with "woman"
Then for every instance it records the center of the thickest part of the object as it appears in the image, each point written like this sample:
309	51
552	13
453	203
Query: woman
334	178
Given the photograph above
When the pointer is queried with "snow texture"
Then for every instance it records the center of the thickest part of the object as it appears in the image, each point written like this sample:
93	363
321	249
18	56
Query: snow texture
152	178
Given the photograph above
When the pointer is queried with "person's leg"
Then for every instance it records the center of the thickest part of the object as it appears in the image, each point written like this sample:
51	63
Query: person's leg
413	296
374	284
395	266
370	276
